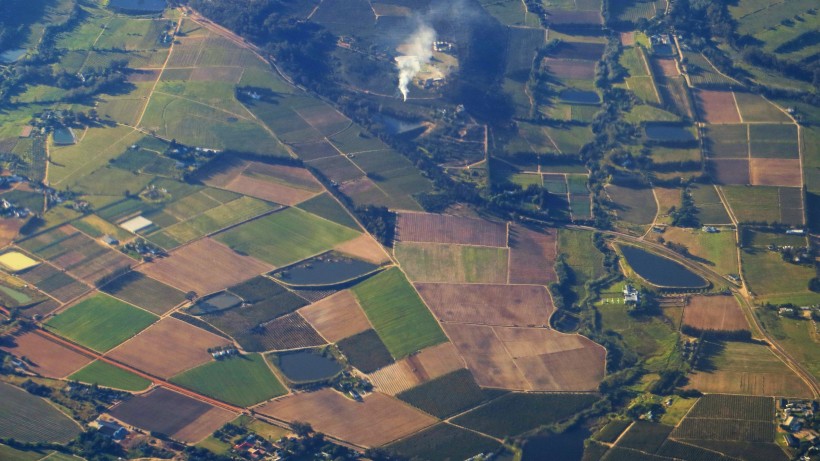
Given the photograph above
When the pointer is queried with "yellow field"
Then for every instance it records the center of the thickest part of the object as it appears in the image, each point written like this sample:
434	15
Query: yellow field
16	261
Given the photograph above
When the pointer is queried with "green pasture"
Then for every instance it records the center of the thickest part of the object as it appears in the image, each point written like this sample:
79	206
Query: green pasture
107	375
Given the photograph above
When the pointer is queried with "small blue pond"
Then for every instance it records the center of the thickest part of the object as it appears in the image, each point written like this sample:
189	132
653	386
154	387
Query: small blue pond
307	365
64	136
661	271
148	6
326	269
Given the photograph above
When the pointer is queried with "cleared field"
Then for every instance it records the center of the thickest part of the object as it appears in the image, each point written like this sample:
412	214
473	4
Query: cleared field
730	171
504	305
444	441
297	235
204	266
719	250
364	247
435	262
334	414
776	172
242	380
514	413
710	208
27	418
571	69
532	256
633	205
100	322
366	351
55	282
167	348
529	358
434	228
277	183
716	106
714	313
336	317
145	292
173	414
397	313
46	357
726	141
667	66
107	375
744	368
754	108
418	368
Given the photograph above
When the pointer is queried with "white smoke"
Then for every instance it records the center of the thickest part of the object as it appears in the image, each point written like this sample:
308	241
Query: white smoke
418	51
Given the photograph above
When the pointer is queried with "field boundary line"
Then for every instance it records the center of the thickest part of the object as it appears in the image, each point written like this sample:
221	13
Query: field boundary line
159	74
737	106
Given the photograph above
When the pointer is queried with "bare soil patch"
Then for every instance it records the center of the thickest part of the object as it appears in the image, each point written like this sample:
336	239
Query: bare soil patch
776	172
627	38
749	383
205	266
486	356
506	305
375	421
364	247
667	66
719	313
716	106
46	357
436	228
336	317
532	256
416	369
730	171
167	348
572	69
270	191
9	228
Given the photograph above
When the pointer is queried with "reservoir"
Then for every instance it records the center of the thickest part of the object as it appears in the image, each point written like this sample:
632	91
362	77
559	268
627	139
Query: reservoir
661	271
573	96
668	132
64	136
307	365
327	269
147	6
568	446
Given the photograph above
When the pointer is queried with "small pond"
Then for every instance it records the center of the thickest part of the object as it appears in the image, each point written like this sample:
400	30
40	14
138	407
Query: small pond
327	269
661	271
668	132
215	303
64	136
307	365
573	96
138	5
10	56
568	446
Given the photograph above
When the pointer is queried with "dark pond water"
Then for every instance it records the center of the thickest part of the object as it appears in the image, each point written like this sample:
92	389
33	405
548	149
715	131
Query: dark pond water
568	446
668	132
396	125
10	56
324	270
307	365
580	97
215	303
138	5
64	136
659	270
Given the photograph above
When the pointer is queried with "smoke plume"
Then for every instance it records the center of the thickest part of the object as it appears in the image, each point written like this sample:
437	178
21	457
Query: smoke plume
418	50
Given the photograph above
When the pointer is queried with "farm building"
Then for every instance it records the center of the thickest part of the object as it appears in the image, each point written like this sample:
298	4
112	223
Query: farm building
631	295
136	224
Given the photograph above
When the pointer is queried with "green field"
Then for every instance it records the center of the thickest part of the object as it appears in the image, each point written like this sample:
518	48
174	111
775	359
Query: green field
327	207
398	314
107	375
710	208
286	236
446	395
767	274
513	414
754	203
633	205
245	380
28	418
145	292
94	150
583	258
452	263
444	441
101	322
718	249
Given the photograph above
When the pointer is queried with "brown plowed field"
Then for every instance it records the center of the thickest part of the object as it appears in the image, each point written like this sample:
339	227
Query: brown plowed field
667	67
364	247
436	228
268	190
291	331
411	371
277	183
171	413
376	421
205	266
627	38
336	317
716	106
532	256
486	356
167	348
730	171
749	383
508	305
720	313
776	172
295	176
45	357
216	74
571	69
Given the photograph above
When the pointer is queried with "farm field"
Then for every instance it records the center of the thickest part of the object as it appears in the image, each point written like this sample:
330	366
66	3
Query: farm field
444	441
171	413
503	305
432	228
430	363
299	235
767	274
532	256
710	207
325	206
276	183
290	331
167	348
334	414
763	204
366	351
242	380
336	317
145	292
107	375
714	313
100	322
433	262
446	395
744	368
716	106
27	418
634	206
397	313
718	250
46	357
585	260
